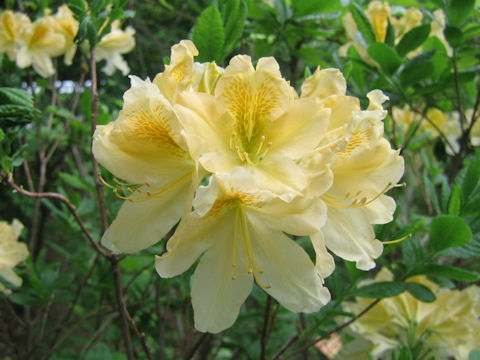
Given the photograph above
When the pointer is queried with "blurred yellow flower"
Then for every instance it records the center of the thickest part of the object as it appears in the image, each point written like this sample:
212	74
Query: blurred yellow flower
379	15
113	45
240	232
10	26
447	327
11	253
38	43
68	27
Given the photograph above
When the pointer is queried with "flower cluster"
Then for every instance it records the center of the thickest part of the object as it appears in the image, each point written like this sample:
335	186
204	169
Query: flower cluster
380	16
11	253
243	162
36	43
436	120
448	327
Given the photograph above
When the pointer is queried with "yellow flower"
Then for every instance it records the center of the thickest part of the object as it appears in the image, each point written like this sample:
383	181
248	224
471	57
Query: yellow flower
238	232
438	26
405	117
11	253
447	327
253	120
10	26
145	148
38	43
113	45
184	74
475	132
379	13
68	27
364	168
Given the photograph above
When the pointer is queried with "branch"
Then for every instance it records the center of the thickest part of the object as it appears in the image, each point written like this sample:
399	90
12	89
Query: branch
98	183
64	200
338	328
196	346
263	344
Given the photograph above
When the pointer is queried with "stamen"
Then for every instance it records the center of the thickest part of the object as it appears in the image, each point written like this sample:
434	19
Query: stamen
248	249
136	193
397	240
234	250
262	141
335	201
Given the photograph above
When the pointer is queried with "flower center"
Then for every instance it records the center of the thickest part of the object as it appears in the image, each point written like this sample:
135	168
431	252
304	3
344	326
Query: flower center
250	151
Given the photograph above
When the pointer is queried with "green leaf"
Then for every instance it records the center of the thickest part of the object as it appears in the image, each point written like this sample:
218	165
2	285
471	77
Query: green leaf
363	23
15	96
308	7
417	69
474	355
390	36
455	202
385	56
24	299
91	34
421	292
2	135
234	14
96	6
413	39
76	181
381	289
448	231
450	272
453	35
458	11
78	8
209	35
471	179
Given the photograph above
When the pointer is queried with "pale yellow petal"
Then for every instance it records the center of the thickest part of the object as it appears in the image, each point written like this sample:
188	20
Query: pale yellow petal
216	296
140	224
297	132
324	83
286	271
348	234
324	263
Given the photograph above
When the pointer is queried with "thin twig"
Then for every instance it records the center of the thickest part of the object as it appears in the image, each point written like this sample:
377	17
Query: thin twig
98	183
285	346
67	202
196	346
122	308
160	320
338	328
266	318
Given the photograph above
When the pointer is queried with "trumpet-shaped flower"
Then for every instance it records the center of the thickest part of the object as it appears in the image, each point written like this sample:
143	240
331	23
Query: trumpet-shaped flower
365	167
253	120
68	27
238	232
38	43
10	26
145	148
11	253
113	45
447	327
